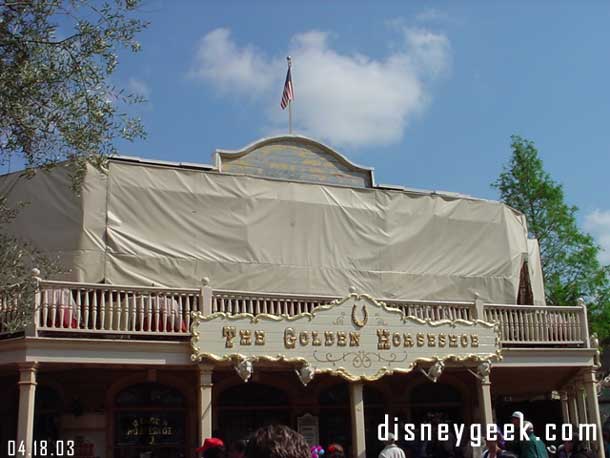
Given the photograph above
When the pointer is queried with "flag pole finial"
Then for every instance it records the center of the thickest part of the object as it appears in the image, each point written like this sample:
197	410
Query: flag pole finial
289	59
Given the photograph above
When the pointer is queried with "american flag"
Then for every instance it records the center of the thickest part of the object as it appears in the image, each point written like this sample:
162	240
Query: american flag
288	93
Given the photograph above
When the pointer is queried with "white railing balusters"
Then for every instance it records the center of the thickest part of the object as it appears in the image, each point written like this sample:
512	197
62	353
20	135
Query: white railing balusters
100	308
85	323
45	307
119	307
94	311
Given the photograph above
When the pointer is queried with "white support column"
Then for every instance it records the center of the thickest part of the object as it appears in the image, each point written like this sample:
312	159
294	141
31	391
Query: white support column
204	402
593	410
205	296
572	408
485	406
484	400
581	403
27	397
565	411
357	414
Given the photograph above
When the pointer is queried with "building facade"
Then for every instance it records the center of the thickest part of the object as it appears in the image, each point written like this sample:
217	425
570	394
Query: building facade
280	284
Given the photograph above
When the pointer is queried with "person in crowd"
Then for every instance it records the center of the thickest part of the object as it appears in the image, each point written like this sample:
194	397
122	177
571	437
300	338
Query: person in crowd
277	441
391	450
335	451
437	448
237	449
514	446
580	450
212	448
492	450
565	450
533	447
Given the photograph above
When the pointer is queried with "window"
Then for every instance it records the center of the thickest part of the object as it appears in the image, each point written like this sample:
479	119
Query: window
150	421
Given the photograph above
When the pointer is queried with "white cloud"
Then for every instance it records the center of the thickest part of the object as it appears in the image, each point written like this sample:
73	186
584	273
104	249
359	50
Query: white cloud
347	99
598	224
220	61
138	87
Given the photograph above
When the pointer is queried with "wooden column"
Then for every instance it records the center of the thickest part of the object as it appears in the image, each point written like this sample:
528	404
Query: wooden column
27	397
593	410
565	411
357	414
204	401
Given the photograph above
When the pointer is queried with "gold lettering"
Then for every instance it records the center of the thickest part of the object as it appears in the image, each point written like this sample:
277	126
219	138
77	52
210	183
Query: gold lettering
420	339
442	340
259	337
383	339
408	338
431	340
354	339
289	338
245	337
329	338
303	338
228	332
453	340
315	340
341	338
396	339
464	340
474	340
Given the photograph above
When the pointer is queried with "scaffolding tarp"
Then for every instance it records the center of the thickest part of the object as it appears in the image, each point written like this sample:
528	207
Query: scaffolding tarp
141	224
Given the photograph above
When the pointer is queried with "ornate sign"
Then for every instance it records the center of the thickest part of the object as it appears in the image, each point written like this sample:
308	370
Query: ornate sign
356	337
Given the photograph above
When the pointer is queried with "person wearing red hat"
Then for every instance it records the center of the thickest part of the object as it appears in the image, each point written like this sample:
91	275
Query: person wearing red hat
212	448
336	451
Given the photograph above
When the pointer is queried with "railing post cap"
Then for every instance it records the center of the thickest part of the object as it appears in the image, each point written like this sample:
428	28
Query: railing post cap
476	295
35	272
205	281
581	302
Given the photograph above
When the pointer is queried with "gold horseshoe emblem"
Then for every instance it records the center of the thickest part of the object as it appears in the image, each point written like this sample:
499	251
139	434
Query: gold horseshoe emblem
365	319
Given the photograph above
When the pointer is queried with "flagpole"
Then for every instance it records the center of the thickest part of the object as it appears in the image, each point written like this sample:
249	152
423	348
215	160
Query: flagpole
289	59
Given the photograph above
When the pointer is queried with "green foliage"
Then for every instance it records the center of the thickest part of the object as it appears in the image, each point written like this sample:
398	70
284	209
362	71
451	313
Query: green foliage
18	285
569	256
57	104
56	99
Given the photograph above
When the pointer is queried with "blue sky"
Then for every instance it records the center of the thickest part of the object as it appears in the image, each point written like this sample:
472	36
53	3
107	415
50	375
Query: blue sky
427	93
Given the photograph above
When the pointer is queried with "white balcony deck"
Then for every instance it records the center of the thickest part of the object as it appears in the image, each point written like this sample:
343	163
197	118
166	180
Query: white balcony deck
90	310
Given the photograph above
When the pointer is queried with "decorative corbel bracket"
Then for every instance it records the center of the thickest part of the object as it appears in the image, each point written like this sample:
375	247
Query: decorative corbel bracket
483	371
306	373
244	368
434	372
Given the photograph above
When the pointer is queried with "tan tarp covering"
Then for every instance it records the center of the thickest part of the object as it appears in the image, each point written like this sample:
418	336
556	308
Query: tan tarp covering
143	224
535	272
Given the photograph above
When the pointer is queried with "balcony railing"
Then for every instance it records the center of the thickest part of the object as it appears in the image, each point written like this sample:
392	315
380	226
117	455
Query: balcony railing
91	309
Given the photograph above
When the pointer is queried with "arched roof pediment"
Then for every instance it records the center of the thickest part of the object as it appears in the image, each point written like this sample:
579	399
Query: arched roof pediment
294	158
